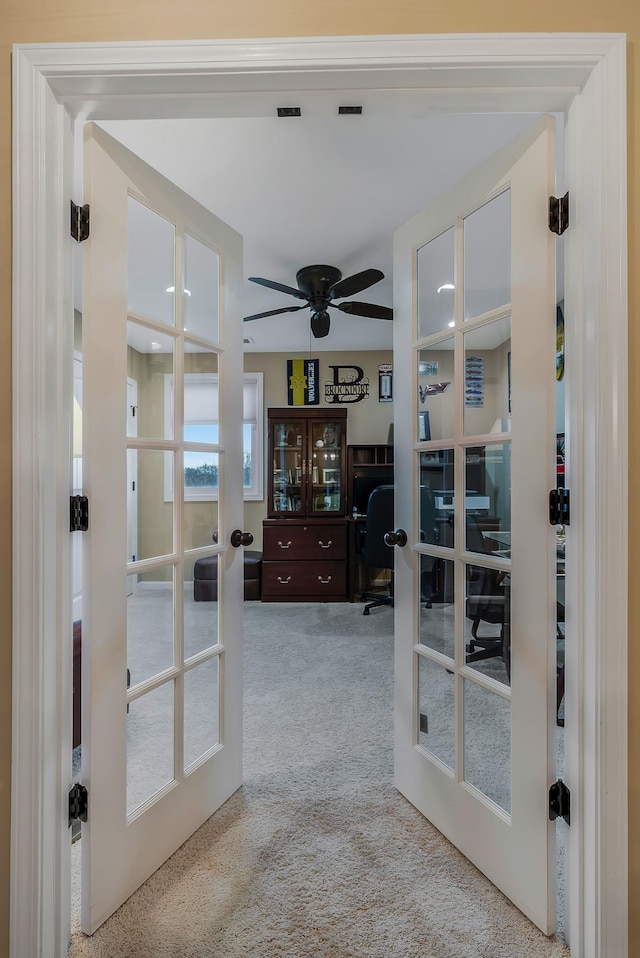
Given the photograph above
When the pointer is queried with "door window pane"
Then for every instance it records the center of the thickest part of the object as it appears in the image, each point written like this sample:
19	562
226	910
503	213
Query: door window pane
150	745
487	743
487	382
487	623
149	363
437	609
201	710
200	522
151	283
154	514
436	280
436	710
202	581
436	397
488	497
202	289
150	625
487	257
437	493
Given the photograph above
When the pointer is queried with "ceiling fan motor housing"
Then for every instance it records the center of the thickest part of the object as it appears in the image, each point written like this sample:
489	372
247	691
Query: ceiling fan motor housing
317	280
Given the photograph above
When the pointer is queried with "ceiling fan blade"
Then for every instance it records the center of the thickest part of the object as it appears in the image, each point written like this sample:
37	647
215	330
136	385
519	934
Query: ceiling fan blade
355	284
279	286
320	323
371	310
273	312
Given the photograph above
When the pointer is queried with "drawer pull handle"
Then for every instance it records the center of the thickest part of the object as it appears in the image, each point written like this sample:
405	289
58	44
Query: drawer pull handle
325	545
324	581
284	545
284	581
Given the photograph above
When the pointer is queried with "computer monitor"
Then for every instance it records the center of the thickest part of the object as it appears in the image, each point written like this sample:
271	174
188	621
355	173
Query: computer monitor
363	486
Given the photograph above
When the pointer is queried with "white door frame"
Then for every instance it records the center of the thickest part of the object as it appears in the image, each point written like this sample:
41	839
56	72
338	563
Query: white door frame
59	86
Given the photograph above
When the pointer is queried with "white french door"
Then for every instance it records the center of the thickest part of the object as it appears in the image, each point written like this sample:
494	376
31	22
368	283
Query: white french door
162	675
474	286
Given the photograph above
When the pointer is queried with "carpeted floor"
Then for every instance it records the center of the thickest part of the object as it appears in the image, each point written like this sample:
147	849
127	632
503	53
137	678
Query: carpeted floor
317	856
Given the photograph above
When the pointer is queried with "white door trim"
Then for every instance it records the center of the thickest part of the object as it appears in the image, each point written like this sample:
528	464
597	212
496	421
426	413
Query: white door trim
584	75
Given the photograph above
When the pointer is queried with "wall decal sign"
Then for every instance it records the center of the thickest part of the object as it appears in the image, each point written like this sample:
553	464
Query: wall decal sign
303	382
474	381
385	382
432	389
349	385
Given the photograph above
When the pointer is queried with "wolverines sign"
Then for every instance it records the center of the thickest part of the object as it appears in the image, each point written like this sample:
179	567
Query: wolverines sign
303	384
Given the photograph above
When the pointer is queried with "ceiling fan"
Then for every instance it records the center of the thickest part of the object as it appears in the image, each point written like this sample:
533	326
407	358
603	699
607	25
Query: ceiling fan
319	286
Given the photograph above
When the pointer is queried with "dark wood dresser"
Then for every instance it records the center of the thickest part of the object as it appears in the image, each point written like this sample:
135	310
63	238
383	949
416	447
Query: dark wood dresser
304	560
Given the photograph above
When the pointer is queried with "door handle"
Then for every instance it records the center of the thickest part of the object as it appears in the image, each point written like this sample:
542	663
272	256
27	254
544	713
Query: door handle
397	538
239	538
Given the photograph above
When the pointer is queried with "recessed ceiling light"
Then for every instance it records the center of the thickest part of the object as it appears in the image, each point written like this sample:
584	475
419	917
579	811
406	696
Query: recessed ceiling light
172	289
446	286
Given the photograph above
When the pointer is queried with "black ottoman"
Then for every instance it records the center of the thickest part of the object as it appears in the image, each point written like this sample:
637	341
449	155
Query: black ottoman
205	577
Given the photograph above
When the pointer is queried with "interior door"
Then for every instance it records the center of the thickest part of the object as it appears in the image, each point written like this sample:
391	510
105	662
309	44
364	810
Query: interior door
474	281
162	675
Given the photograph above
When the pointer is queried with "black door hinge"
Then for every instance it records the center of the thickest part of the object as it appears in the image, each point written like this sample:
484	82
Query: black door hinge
79	222
559	213
78	803
559	802
560	507
79	514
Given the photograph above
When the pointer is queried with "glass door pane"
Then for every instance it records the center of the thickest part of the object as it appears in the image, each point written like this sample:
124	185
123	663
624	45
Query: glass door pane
289	467
326	467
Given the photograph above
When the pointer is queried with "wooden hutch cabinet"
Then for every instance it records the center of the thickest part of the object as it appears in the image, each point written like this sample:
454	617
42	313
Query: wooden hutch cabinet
304	549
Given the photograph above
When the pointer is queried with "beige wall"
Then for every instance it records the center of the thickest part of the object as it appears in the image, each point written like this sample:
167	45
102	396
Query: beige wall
45	21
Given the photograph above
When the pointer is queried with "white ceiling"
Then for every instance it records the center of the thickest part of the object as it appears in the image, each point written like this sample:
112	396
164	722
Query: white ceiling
322	189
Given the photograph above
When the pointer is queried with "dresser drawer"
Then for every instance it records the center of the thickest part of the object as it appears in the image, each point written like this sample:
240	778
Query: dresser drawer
294	579
317	542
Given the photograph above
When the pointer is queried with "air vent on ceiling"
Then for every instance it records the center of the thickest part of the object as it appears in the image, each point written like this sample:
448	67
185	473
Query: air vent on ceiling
289	111
348	110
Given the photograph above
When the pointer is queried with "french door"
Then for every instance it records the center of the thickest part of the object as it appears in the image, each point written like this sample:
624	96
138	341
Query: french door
162	675
474	286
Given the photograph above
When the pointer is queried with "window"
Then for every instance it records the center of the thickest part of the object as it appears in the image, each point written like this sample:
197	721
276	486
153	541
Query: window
201	466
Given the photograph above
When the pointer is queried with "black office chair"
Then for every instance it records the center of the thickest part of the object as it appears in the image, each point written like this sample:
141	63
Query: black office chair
375	552
487	601
427	534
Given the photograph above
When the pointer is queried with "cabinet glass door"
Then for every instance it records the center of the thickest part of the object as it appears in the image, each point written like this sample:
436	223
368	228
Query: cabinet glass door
326	467
289	467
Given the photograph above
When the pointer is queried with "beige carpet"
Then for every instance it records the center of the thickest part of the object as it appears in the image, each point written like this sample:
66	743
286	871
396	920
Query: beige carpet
317	856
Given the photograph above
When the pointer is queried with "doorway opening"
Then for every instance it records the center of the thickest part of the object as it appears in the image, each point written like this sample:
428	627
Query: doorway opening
348	355
600	66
